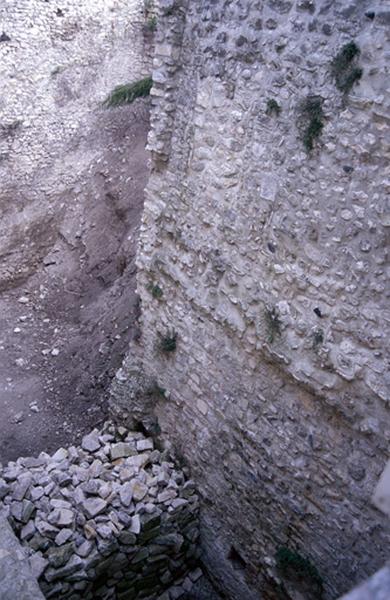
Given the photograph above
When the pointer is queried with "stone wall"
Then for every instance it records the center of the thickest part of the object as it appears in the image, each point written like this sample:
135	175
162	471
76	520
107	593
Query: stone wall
112	519
262	279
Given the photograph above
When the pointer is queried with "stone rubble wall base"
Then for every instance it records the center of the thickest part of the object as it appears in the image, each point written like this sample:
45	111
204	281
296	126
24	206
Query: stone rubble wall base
111	519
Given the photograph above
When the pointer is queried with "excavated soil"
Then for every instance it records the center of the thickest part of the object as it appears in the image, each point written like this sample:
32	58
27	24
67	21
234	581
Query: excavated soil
68	306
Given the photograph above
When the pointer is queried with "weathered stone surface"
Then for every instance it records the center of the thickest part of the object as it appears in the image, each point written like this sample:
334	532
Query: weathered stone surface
375	588
139	490
16	578
57	557
90	442
63	536
121	450
126	494
271	261
93	506
61	517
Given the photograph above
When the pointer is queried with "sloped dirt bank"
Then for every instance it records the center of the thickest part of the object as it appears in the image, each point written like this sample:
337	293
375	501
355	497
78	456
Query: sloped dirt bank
67	291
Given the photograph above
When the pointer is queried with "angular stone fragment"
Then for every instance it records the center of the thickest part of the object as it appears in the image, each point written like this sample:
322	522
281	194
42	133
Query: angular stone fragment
36	493
178	502
90	531
63	536
60	455
127	537
56	503
144	445
93	506
27	531
121	450
91	487
135	526
62	517
73	565
37	564
11	473
90	442
30	462
105	490
166	495
22	511
141	555
126	494
85	549
139	490
104	531
4	489
21	487
139	461
58	556
47	530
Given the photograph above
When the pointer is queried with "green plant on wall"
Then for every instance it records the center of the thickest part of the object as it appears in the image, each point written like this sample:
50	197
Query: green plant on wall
155	290
273	323
127	93
168	342
311	120
273	108
151	23
293	566
344	68
318	338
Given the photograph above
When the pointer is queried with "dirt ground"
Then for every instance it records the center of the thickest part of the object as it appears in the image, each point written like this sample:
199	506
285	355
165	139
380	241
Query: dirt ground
66	322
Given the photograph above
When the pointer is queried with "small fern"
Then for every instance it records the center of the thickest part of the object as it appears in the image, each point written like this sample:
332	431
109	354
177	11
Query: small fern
128	92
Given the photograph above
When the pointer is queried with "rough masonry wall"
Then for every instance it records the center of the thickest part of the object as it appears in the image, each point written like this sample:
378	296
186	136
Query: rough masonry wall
264	261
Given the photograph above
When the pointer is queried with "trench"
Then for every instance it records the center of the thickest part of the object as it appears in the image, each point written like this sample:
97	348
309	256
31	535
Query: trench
72	175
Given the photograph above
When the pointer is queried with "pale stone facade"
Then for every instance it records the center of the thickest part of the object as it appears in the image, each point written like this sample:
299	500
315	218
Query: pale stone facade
265	264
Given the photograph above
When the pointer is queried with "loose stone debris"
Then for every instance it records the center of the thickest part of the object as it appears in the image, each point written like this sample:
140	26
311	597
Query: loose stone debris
112	519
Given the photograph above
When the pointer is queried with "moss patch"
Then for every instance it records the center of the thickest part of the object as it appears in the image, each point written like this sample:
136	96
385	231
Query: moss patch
311	120
344	67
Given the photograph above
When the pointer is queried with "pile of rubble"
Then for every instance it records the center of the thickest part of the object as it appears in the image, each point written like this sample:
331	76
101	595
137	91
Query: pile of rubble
112	519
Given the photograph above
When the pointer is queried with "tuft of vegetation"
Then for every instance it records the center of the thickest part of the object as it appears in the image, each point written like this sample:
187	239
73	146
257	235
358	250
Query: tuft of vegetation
127	93
156	390
151	23
168	342
294	566
344	68
273	108
312	119
155	290
273	323
318	338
